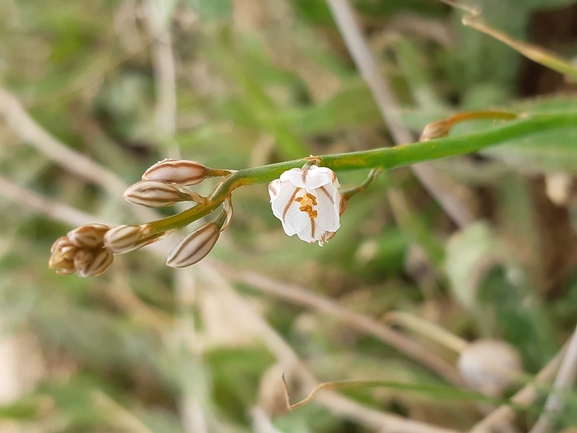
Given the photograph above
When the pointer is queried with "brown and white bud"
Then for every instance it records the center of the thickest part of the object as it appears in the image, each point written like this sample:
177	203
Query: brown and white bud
194	247
123	239
83	257
438	129
62	258
490	366
126	238
60	243
101	260
153	193
88	236
179	171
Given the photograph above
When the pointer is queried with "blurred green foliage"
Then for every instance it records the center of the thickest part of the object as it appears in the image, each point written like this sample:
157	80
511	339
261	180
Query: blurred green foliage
146	349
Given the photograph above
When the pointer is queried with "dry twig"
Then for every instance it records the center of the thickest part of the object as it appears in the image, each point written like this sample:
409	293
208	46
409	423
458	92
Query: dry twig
29	131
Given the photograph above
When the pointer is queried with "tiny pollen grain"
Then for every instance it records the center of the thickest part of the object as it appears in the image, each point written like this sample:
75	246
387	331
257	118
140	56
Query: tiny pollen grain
307	202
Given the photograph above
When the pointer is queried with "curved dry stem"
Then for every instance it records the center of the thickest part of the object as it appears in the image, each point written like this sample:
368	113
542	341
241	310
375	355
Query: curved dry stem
323	386
532	52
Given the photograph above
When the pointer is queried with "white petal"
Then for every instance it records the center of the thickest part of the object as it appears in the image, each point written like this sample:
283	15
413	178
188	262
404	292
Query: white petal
313	177
327	172
309	235
285	195
295	220
328	217
274	189
293	176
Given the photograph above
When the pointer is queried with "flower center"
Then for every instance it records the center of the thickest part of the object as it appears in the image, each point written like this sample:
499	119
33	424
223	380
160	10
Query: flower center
307	202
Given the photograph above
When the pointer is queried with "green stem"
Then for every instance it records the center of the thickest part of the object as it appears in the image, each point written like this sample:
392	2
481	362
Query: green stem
384	158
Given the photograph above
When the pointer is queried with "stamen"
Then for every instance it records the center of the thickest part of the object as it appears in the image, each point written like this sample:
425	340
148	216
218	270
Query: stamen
307	202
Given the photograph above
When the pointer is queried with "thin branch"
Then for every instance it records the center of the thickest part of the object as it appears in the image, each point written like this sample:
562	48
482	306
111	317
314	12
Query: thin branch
563	383
123	416
306	298
389	108
425	328
41	205
29	131
164	73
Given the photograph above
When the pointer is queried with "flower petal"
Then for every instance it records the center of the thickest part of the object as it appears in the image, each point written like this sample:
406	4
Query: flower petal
295	221
274	189
283	199
328	217
314	177
307	202
312	233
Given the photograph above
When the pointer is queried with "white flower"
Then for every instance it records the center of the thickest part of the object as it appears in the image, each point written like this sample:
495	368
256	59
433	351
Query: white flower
307	202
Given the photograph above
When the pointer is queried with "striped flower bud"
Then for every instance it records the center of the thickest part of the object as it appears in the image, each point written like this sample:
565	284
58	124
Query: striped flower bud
181	172
153	193
62	258
123	239
61	242
101	260
438	129
88	236
194	247
83	257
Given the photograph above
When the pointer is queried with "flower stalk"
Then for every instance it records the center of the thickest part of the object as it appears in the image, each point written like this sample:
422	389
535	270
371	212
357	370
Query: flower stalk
180	175
383	158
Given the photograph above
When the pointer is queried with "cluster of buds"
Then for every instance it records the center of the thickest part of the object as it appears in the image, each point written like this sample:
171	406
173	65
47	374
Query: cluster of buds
89	250
82	251
307	201
165	183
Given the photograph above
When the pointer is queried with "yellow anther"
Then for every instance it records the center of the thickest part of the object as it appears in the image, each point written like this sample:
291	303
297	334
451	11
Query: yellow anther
307	202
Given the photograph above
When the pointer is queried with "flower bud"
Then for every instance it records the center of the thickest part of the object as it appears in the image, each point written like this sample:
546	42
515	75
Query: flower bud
490	366
88	236
62	258
83	257
100	262
152	193
60	243
181	172
438	129
194	247
123	239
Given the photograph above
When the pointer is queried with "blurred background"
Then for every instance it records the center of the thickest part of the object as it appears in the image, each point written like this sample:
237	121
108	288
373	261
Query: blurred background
484	246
